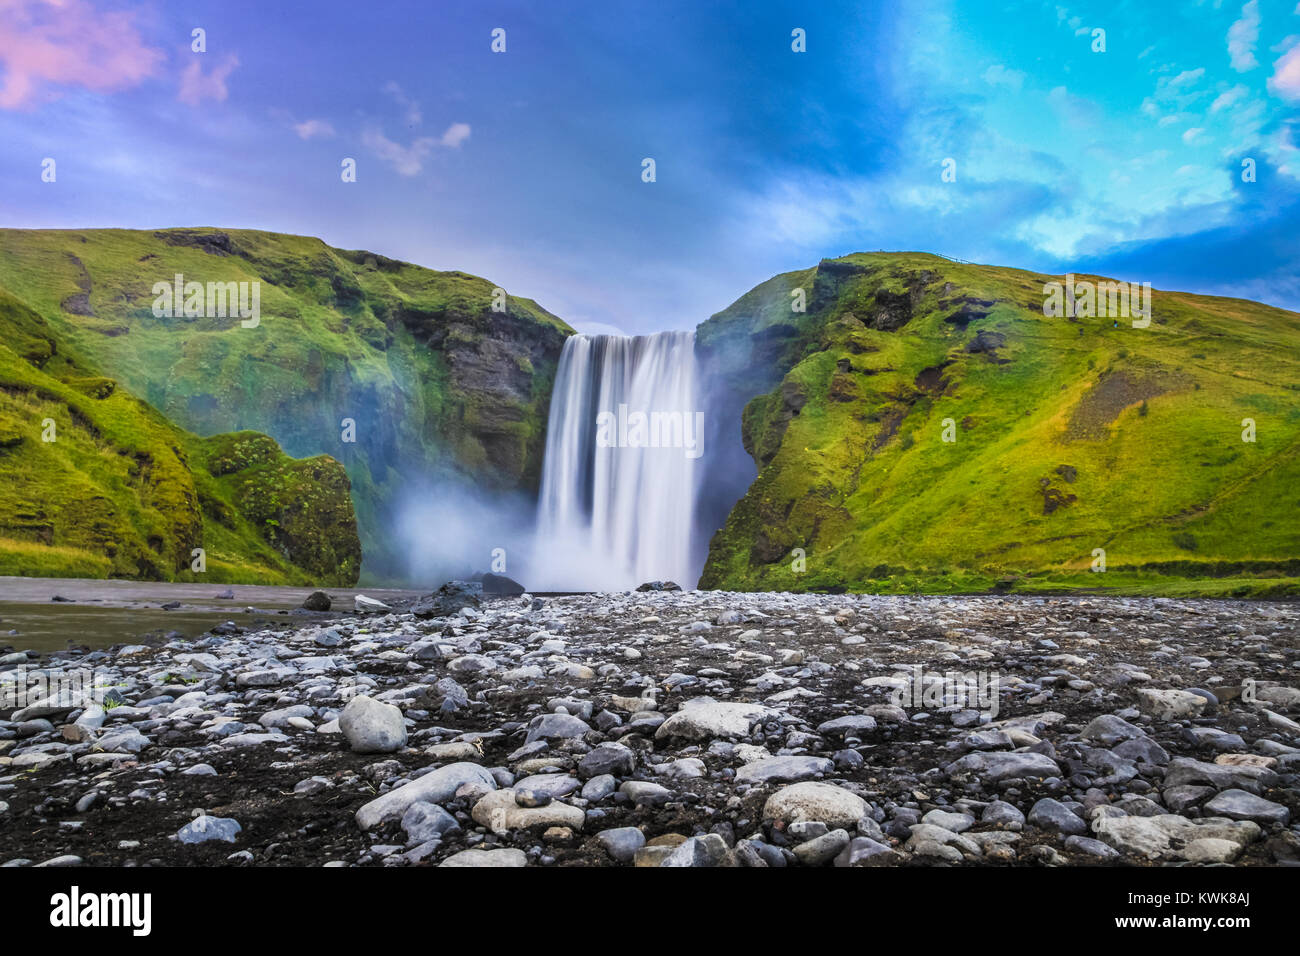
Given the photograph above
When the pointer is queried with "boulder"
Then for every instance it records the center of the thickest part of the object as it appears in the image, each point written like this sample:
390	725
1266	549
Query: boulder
317	601
703	718
824	802
500	584
500	811
449	599
372	726
788	769
1166	836
368	605
1171	704
510	857
437	786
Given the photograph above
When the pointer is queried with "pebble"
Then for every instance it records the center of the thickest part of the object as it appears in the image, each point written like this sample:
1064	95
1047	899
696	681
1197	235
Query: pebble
204	829
758	730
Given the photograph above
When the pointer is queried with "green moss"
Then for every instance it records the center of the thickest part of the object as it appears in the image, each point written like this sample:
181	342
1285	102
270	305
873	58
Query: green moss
896	349
99	484
438	384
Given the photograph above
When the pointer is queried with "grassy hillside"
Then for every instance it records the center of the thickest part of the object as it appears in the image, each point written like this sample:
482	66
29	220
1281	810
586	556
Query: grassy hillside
1070	435
99	484
437	383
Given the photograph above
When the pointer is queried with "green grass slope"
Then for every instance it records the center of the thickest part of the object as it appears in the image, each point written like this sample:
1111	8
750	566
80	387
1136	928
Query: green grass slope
99	484
1070	435
438	384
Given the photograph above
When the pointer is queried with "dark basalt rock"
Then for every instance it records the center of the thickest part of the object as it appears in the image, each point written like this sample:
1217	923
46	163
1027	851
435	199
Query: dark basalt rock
317	601
660	586
500	584
449	599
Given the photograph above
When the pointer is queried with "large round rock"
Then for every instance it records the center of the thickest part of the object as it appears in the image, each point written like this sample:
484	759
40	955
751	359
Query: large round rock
832	805
372	727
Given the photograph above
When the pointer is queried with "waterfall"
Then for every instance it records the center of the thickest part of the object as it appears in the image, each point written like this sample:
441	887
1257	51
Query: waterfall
623	443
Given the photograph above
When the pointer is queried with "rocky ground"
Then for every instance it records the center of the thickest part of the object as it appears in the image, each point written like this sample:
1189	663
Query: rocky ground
676	729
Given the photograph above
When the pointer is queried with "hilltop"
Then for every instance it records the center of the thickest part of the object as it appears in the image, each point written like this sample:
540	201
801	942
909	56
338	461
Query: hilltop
1068	436
401	373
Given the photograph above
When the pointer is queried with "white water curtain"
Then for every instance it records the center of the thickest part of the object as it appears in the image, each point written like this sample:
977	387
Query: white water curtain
610	518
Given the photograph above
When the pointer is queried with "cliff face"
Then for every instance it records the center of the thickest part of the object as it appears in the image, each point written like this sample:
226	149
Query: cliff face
924	426
401	373
99	484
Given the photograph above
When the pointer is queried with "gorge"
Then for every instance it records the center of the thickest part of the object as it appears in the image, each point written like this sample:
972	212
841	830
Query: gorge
920	425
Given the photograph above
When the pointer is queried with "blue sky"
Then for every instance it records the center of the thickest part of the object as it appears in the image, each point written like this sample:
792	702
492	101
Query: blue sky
525	166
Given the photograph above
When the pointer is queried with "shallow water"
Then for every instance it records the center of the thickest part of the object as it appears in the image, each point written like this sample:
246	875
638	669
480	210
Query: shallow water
102	613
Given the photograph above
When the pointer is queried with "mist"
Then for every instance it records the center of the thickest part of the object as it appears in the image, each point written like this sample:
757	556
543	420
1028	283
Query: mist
450	530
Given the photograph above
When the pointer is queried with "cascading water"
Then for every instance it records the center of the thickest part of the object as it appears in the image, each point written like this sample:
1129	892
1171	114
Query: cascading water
619	480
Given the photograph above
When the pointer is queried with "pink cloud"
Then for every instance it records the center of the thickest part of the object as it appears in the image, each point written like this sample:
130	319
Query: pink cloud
197	86
1285	81
313	129
68	43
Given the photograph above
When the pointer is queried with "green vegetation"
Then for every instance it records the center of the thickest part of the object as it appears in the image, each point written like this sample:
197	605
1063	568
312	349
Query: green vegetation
437	383
99	484
1070	435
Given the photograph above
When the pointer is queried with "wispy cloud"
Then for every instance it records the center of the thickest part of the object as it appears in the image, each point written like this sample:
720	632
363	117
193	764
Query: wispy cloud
1228	98
412	115
1242	37
314	129
999	75
67	43
409	160
406	160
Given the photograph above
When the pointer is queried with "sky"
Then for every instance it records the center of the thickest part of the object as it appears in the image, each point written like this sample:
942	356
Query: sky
1117	152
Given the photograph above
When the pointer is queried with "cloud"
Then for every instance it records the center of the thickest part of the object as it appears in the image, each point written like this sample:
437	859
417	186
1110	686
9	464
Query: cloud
1227	98
68	43
406	160
1177	93
999	75
413	116
409	160
1285	81
1075	110
1242	36
455	135
314	129
197	87
1186	78
1192	135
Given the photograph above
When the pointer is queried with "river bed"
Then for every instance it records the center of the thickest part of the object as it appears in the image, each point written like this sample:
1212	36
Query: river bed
98	614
